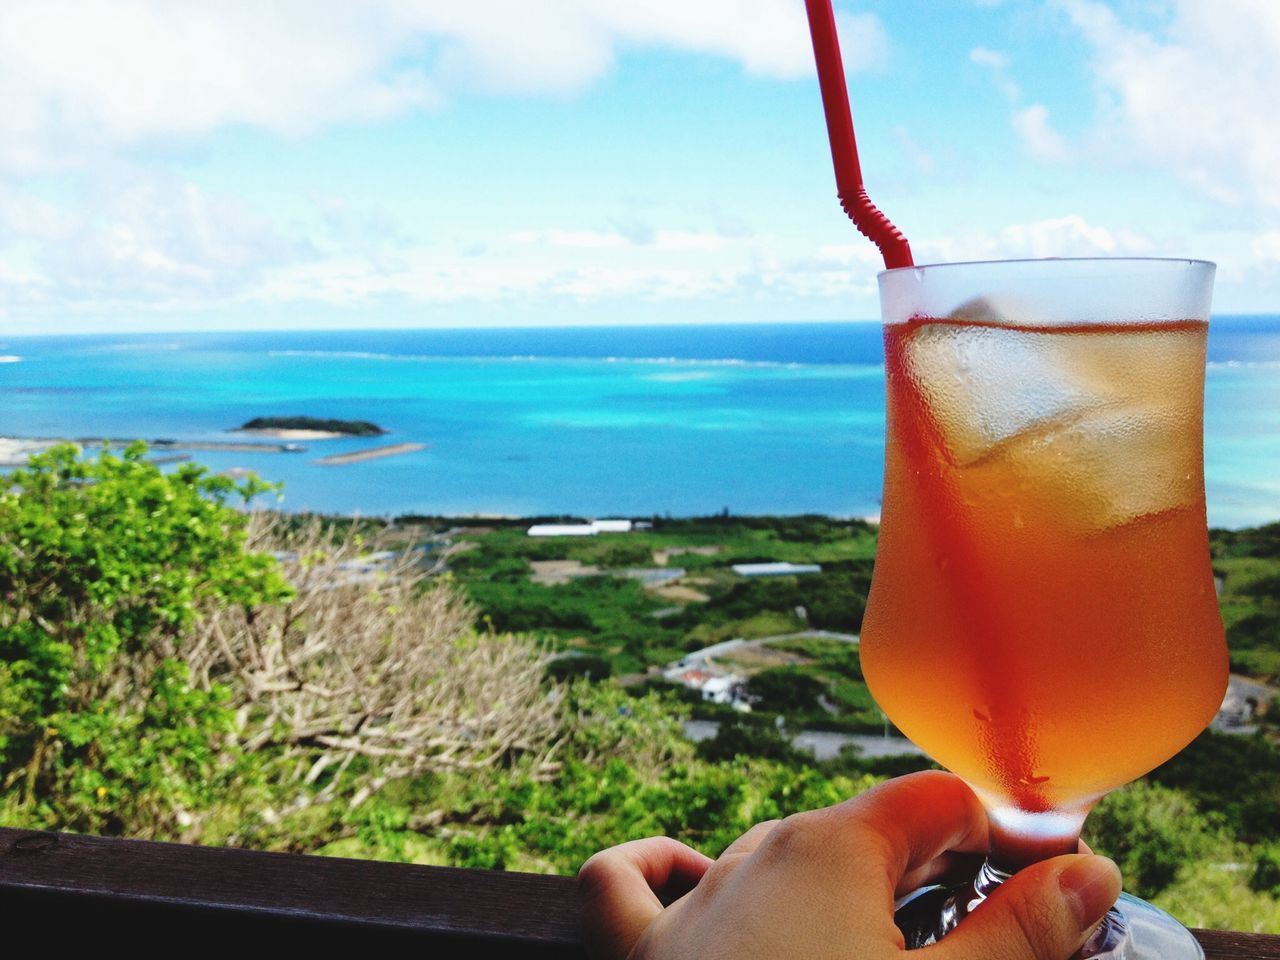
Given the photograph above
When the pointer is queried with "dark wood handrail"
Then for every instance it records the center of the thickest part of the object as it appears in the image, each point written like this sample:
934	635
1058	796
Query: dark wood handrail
133	893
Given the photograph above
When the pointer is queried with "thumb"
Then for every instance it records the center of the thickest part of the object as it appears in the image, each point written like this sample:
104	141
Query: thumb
1044	912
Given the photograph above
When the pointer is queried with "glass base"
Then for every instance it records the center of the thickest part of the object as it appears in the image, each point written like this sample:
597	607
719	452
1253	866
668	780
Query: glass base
1132	930
1135	930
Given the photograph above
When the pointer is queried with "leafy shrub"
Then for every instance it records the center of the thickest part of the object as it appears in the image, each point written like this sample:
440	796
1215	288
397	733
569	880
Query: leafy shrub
786	690
104	565
163	655
1258	629
1151	832
1235	777
588	665
1264	588
625	555
748	736
1266	870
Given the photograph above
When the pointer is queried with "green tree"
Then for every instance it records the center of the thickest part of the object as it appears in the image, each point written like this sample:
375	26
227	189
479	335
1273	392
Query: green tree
748	736
1266	870
786	690
1152	833
105	561
626	555
1235	777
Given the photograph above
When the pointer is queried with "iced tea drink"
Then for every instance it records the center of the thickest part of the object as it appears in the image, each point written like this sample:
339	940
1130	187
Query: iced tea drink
1042	618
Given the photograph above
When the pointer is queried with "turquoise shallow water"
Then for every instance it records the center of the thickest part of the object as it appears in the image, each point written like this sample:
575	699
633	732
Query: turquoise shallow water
781	418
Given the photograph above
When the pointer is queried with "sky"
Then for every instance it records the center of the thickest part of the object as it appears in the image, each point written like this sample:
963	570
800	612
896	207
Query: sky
179	165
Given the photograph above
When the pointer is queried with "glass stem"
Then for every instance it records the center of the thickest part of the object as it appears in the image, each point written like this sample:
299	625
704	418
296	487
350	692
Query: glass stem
967	898
1011	851
1018	839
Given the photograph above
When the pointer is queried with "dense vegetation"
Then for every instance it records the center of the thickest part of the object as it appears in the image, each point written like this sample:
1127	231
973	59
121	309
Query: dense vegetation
166	659
1248	563
352	428
103	568
171	667
606	613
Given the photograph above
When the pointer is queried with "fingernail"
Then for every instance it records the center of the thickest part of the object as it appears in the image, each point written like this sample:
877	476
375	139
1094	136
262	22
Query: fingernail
1091	886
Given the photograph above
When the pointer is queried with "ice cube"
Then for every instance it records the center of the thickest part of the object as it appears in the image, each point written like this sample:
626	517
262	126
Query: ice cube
1137	366
985	385
1112	465
1000	310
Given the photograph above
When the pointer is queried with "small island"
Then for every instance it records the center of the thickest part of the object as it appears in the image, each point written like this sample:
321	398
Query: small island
310	428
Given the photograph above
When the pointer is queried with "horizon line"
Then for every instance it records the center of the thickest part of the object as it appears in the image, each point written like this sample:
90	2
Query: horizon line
498	326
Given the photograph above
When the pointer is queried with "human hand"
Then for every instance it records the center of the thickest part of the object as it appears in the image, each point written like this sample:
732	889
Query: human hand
822	885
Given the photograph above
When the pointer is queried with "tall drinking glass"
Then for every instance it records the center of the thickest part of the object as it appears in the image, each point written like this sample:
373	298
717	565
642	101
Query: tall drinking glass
1042	617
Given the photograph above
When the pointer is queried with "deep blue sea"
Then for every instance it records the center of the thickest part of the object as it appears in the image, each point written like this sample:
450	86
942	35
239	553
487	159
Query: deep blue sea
782	418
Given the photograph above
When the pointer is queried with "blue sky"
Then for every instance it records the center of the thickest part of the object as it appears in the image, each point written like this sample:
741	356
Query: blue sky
429	163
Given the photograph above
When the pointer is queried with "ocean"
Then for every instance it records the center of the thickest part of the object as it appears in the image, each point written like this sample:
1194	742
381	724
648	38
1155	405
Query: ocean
631	421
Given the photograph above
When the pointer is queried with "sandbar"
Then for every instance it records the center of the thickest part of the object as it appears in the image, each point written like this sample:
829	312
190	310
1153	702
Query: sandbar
373	453
14	452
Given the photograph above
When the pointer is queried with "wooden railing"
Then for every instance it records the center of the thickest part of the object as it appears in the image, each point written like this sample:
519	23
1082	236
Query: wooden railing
108	894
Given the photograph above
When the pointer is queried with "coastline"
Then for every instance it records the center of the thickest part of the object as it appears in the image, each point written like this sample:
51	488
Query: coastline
14	451
562	435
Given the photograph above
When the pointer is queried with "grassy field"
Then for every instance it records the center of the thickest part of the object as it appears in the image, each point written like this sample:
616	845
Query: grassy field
618	626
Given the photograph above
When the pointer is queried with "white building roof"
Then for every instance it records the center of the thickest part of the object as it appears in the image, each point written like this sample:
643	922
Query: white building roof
774	569
611	526
562	530
579	529
720	684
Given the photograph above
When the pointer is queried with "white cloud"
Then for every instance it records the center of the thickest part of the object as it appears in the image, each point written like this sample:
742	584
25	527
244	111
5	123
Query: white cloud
921	160
1069	236
21	287
590	266
1266	247
1197	95
839	271
30	217
634	260
690	240
1066	236
141	242
997	64
177	249
863	254
988	58
83	77
1038	136
623	237
572	239
864	44
433	277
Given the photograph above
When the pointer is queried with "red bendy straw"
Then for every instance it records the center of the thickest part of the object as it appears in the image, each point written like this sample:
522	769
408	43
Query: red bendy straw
844	149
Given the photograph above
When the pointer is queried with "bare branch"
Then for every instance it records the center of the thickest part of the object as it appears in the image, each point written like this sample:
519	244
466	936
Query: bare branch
372	660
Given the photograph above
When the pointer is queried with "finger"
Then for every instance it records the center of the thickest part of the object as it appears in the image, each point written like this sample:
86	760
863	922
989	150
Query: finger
750	840
618	890
904	825
946	868
1045	912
